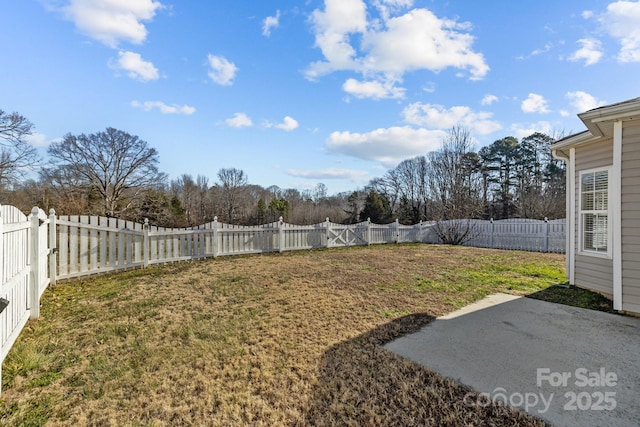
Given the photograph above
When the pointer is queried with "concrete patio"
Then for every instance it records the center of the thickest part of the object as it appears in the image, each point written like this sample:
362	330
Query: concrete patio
566	365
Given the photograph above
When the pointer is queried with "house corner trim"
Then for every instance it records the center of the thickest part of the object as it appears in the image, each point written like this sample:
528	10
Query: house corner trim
571	218
616	208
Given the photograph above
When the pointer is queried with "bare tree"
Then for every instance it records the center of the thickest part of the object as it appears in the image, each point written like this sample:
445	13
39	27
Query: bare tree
455	192
185	189
203	202
410	177
319	193
16	154
195	198
28	193
387	186
232	184
69	192
116	165
298	212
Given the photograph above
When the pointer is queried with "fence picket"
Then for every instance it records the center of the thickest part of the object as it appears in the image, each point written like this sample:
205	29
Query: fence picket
34	254
93	243
84	245
73	245
103	242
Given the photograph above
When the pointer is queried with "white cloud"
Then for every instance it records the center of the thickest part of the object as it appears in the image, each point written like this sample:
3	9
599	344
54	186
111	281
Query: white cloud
523	130
389	7
386	145
583	101
332	29
420	40
269	23
439	117
239	120
112	21
394	4
136	67
330	173
288	124
621	22
489	99
164	108
373	89
429	87
587	14
39	140
534	104
547	47
389	48
590	51
222	71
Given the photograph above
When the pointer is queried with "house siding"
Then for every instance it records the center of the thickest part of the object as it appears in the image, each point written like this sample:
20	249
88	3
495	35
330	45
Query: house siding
592	272
630	203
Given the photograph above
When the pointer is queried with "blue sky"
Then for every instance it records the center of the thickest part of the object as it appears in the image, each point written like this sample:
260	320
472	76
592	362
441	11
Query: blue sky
297	93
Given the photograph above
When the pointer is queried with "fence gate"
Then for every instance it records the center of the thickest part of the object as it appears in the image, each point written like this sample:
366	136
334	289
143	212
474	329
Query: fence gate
14	276
347	235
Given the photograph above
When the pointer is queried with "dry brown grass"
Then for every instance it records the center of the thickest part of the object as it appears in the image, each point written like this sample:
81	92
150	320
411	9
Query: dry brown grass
281	339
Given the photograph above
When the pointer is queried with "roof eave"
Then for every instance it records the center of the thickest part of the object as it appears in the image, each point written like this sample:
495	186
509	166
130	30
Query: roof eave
627	110
575	140
593	120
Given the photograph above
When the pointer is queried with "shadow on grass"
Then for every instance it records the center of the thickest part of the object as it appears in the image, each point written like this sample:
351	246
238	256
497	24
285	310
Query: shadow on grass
360	383
575	297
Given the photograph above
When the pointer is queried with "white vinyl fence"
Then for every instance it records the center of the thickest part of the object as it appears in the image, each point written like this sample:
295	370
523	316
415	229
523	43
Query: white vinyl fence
36	251
24	271
520	234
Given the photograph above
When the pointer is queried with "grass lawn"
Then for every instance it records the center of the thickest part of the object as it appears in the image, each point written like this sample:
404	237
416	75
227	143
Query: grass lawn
281	339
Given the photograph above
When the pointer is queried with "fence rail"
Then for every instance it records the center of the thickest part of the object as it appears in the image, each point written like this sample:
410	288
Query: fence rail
37	250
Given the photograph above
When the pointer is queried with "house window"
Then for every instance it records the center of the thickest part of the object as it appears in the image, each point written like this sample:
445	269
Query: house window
594	211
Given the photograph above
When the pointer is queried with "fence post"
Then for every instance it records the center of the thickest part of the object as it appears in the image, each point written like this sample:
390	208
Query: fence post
145	243
281	233
546	234
328	231
53	248
215	236
2	278
34	268
491	235
1	273
397	230
368	235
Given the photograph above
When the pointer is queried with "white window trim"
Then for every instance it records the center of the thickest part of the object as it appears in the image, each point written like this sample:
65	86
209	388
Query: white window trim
586	252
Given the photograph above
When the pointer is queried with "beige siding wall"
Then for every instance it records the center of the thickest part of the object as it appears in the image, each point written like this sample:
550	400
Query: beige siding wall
631	216
592	272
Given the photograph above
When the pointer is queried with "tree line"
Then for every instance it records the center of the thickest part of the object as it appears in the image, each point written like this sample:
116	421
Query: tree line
116	174
507	179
